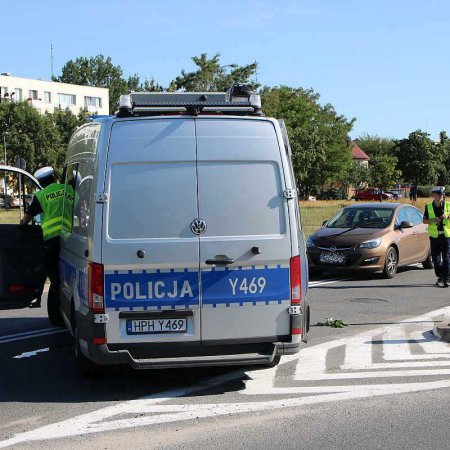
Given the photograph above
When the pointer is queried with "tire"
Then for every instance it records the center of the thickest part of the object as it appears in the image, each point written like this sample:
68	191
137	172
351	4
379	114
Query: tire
83	366
274	362
390	263
428	263
54	315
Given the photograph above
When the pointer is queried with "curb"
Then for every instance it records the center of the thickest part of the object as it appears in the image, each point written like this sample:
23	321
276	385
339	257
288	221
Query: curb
442	329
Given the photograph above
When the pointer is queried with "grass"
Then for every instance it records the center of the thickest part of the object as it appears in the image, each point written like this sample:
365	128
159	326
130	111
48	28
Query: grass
314	213
10	216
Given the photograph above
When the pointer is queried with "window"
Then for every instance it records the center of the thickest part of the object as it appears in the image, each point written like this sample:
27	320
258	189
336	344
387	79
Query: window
33	94
402	215
18	94
415	216
71	181
66	99
3	90
93	101
47	97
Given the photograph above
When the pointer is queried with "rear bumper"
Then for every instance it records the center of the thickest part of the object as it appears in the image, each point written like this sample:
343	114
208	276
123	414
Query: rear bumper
191	356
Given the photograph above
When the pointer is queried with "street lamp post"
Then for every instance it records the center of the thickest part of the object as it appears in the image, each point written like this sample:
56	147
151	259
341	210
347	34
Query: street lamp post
5	200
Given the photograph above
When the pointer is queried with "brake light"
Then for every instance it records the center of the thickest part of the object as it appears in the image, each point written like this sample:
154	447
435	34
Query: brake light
18	288
96	283
296	281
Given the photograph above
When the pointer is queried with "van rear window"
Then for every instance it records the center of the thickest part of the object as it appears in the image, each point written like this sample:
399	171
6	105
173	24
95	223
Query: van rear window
152	200
241	198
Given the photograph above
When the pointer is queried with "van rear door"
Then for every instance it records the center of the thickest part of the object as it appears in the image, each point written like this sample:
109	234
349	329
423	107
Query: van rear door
150	255
245	248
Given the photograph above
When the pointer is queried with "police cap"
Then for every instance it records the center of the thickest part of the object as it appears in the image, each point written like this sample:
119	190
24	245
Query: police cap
439	190
43	172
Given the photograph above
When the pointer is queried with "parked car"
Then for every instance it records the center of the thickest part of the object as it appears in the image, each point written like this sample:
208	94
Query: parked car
372	194
371	237
395	194
16	202
9	201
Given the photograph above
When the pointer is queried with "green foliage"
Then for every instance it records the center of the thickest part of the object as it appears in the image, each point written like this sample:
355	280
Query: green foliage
358	176
212	76
375	145
383	172
99	71
40	139
318	135
419	158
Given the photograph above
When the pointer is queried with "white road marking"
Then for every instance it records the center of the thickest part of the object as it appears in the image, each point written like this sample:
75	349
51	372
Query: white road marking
31	334
311	365
31	353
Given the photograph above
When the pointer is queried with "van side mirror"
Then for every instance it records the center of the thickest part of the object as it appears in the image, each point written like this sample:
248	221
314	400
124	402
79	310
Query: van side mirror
406	224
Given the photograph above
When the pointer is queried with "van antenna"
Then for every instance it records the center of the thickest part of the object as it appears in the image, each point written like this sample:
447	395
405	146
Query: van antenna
51	58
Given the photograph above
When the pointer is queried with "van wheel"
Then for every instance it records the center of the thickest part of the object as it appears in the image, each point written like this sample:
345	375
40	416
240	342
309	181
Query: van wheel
428	263
83	366
390	263
54	315
274	362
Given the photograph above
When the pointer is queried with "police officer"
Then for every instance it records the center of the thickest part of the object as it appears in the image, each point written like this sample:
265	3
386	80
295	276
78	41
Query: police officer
49	203
436	216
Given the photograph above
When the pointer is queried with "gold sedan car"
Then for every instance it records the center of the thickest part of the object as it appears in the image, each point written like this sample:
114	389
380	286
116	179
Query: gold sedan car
371	237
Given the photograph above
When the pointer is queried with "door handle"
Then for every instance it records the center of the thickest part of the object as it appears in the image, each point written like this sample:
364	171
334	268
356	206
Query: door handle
219	260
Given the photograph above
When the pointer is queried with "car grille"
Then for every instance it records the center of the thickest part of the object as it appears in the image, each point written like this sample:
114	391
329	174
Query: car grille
334	248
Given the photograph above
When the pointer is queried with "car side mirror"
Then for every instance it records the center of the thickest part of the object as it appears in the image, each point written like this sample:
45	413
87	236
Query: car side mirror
406	224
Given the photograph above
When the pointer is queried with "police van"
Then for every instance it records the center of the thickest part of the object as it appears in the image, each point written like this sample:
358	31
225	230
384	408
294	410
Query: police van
182	243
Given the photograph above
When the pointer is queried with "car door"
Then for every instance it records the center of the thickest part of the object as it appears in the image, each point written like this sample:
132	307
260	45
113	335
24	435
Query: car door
422	241
406	237
21	246
245	244
149	252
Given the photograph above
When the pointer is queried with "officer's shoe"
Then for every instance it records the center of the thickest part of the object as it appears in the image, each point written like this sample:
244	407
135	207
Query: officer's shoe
439	282
446	285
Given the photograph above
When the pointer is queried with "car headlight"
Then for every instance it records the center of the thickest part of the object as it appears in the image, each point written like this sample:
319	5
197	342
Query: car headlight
310	243
373	243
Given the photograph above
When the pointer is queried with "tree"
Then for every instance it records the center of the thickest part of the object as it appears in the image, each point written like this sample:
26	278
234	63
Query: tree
383	171
99	71
212	76
419	158
375	145
318	135
358	176
31	136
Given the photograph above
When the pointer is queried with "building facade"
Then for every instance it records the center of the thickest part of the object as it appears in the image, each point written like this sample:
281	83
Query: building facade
48	96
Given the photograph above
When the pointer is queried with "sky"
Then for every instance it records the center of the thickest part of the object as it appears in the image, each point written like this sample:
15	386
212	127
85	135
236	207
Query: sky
384	62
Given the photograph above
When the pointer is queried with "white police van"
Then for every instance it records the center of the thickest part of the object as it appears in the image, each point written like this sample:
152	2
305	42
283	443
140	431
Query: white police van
182	246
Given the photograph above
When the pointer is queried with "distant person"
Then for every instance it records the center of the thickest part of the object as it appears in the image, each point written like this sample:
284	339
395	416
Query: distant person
413	193
436	216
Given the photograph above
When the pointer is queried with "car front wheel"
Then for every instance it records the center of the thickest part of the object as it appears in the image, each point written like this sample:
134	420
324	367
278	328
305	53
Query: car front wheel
390	263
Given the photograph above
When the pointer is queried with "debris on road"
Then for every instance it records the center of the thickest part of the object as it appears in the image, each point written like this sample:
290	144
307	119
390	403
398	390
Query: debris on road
335	323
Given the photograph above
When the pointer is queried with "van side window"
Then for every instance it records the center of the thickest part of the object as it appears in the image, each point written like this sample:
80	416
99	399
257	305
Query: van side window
70	182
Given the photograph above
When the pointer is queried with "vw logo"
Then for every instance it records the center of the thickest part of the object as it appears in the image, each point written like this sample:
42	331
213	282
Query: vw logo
198	226
333	248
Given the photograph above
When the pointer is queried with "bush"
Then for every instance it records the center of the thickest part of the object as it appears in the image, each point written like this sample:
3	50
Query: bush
331	194
425	191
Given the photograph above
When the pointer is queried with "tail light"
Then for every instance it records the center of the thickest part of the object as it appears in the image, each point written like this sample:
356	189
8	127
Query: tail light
96	287
19	289
296	281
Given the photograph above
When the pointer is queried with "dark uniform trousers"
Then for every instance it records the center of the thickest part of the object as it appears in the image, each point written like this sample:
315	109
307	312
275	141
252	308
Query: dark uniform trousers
51	261
440	252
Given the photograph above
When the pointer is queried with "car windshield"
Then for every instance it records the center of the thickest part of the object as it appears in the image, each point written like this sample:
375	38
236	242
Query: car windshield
361	218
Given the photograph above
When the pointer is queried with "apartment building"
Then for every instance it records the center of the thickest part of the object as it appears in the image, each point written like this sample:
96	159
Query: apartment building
50	96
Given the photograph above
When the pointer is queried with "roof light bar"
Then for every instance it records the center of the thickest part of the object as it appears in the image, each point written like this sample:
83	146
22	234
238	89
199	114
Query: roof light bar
239	99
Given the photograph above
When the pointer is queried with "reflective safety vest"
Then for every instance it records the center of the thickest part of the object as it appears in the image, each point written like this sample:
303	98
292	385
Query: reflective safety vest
51	200
433	227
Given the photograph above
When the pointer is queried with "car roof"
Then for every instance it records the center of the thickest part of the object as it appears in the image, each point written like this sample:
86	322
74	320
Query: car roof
377	205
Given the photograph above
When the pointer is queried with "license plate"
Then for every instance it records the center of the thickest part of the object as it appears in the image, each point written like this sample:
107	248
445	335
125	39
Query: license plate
332	258
156	326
